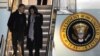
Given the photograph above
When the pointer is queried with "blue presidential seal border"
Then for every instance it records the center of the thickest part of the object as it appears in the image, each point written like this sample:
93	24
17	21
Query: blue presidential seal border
80	32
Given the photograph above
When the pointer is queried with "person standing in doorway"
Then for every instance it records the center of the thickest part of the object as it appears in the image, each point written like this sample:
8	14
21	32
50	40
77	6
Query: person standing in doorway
34	37
44	2
17	25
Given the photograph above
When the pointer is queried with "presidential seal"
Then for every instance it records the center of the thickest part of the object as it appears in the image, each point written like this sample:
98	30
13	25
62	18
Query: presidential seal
80	32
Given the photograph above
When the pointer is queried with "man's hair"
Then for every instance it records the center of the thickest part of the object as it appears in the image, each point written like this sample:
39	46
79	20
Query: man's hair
20	5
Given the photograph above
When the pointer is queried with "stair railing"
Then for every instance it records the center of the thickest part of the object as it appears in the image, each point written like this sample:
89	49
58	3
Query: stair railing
51	32
7	41
56	7
2	44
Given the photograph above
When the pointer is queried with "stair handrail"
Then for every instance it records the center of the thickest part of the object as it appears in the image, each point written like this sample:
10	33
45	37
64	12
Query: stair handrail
52	28
51	33
2	44
11	10
48	41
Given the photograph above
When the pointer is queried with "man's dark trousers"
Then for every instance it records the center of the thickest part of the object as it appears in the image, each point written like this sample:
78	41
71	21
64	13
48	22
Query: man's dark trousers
18	38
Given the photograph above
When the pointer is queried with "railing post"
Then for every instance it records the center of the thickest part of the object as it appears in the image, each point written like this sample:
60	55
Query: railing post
2	45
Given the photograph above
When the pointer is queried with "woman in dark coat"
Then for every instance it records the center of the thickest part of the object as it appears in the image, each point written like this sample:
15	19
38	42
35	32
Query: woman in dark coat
34	37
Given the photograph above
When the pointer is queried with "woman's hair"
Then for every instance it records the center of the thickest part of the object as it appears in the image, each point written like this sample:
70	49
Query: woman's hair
34	8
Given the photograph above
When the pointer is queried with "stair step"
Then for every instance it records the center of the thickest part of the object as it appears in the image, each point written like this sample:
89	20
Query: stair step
44	12
44	33
41	54
45	27
43	48
44	40
26	53
45	36
46	19
46	24
44	16
41	6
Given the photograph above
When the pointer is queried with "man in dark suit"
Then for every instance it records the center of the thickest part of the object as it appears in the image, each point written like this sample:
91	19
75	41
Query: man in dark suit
17	25
43	3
